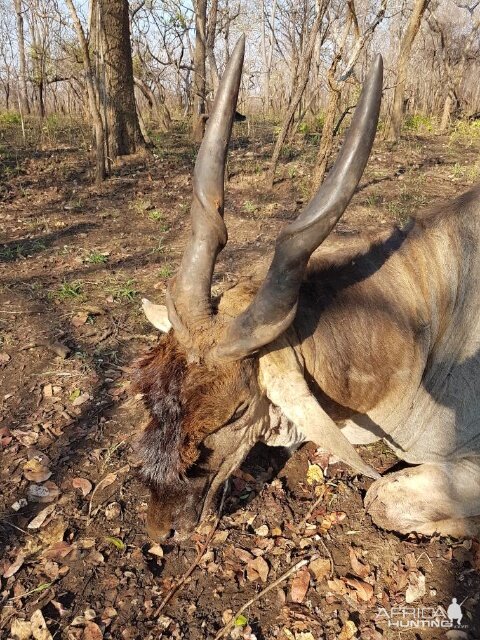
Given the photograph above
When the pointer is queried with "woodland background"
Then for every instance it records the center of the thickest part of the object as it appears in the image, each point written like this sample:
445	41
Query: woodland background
305	62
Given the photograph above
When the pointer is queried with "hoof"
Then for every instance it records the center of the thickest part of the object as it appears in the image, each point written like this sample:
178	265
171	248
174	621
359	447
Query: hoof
416	501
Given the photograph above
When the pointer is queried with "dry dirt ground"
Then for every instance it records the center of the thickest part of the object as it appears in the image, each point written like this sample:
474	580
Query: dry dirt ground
75	562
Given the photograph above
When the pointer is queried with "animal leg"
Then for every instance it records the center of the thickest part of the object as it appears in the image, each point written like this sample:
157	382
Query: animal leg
439	498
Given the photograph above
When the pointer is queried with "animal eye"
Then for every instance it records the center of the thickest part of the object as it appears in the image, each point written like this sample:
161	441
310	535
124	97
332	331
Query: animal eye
239	412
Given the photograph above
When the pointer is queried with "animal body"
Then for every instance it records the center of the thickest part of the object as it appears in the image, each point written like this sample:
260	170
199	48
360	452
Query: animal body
370	338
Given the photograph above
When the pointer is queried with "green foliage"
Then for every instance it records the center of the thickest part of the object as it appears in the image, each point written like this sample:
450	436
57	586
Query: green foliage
141	205
165	272
69	290
469	173
466	131
156	215
407	203
21	250
304	128
292	171
288	152
249	206
420	123
10	117
95	257
373	200
116	542
125	291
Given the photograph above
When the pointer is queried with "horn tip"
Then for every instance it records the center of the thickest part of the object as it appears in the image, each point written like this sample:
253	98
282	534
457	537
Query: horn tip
240	46
378	62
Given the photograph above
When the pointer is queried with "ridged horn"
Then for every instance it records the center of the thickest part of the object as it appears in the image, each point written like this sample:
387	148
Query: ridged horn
274	306
189	296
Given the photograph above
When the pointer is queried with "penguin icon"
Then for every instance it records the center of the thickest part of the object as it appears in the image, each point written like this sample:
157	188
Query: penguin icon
454	612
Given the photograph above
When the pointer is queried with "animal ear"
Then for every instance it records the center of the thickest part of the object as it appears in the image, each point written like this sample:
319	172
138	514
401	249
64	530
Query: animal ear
157	315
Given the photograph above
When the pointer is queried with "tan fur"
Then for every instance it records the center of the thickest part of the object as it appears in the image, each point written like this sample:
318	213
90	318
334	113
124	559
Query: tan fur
386	338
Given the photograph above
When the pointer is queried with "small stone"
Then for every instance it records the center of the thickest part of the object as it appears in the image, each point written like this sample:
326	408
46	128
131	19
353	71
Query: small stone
262	531
113	511
19	504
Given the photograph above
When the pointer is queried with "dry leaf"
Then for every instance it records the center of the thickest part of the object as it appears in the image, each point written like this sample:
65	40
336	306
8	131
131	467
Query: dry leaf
58	550
314	474
220	537
21	629
363	589
300	584
348	632
319	568
27	438
359	569
15	566
416	589
35	471
38	455
332	519
411	562
60	608
103	484
81	399
260	566
4	358
337	586
51	570
39	626
47	391
47	492
227	615
40	518
5	437
262	531
92	632
83	484
243	555
113	511
156	550
79	319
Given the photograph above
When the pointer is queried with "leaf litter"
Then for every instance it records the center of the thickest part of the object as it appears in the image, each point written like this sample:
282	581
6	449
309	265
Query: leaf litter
57	558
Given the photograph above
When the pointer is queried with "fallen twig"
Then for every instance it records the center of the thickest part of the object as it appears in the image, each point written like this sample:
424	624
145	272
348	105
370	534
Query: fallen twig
301	563
200	555
312	508
329	555
57	347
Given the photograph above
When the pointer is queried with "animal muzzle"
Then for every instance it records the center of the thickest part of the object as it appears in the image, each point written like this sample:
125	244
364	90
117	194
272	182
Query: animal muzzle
174	512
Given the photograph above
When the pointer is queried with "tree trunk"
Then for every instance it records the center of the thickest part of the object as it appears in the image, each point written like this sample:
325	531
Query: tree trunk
396	118
199	84
159	107
302	80
92	101
210	44
22	60
124	133
447	110
328	134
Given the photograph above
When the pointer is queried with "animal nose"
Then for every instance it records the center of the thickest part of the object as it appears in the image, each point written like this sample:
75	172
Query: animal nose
160	536
157	532
166	536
